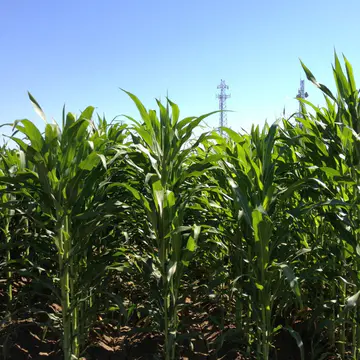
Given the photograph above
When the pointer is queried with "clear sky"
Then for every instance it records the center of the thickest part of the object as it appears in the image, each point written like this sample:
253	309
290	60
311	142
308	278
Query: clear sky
81	52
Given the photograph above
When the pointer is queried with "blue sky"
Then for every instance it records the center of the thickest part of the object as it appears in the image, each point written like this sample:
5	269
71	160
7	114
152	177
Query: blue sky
81	52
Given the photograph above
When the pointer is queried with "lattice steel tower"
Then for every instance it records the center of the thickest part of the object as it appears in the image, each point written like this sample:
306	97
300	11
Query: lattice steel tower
301	95
222	103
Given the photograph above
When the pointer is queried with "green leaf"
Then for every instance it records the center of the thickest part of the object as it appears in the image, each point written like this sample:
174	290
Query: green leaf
32	133
298	340
340	79
87	113
52	132
311	78
170	198
159	200
191	244
197	230
90	162
350	76
233	135
145	135
171	271
144	114
309	74
175	112
259	286
330	171
103	160
37	107
352	301
134	192
262	228
292	280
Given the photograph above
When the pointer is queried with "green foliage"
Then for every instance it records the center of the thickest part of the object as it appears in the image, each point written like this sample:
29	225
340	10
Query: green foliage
139	223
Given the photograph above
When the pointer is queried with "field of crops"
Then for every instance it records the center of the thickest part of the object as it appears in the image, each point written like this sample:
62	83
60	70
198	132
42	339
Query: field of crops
142	241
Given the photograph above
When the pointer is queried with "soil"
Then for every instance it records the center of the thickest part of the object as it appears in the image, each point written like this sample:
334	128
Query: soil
26	337
27	340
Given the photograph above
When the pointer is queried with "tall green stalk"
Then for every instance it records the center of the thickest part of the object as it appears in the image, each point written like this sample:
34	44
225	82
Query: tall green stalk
65	169
8	259
165	158
64	249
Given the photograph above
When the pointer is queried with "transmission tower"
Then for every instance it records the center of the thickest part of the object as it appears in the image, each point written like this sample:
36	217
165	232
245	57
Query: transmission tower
301	95
222	104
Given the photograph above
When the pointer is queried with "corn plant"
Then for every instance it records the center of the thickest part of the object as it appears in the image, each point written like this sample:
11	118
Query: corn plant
60	162
264	226
12	161
162	155
329	142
